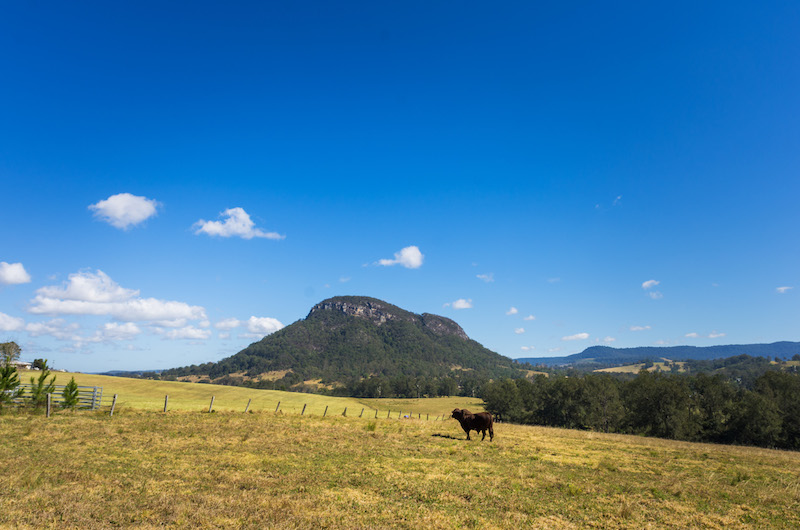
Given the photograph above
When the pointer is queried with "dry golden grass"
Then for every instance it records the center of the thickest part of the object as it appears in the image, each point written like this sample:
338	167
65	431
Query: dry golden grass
636	368
189	469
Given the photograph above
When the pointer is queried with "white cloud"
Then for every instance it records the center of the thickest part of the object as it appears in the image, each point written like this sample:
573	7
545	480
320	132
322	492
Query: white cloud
125	210
408	257
577	336
344	279
512	311
261	326
784	289
527	348
117	331
639	328
609	340
188	332
715	335
649	284
228	324
13	274
88	293
488	278
89	287
519	331
655	295
237	223
9	323
224	335
691	335
461	303
529	317
57	328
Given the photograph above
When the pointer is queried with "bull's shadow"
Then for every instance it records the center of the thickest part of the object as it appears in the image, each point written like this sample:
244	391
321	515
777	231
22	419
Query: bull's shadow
448	436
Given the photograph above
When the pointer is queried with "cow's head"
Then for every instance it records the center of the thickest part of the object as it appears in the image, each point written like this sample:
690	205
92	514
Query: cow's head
458	414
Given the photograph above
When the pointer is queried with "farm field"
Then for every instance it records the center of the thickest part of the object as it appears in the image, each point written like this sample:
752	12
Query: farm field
190	469
143	394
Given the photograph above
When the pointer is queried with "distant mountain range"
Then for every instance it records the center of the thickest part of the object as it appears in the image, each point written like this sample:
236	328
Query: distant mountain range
605	355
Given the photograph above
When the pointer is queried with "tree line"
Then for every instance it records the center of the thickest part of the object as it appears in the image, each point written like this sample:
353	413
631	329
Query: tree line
698	408
10	385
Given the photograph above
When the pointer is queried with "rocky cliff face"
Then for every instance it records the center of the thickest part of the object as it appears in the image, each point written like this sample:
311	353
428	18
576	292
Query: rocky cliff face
379	312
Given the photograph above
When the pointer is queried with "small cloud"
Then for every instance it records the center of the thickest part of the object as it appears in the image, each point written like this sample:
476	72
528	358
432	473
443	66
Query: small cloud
715	335
512	311
577	336
344	279
783	290
488	277
13	274
649	284
529	317
9	323
188	333
527	348
617	200
691	335
553	350
237	223
655	295
408	257
124	210
609	340
262	326
519	331
639	328
228	324
461	303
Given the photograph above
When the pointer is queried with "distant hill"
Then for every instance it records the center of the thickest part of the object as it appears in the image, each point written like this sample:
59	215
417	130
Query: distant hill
605	355
347	339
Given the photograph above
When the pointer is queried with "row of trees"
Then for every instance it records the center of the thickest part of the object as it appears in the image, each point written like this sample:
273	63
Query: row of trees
701	408
11	389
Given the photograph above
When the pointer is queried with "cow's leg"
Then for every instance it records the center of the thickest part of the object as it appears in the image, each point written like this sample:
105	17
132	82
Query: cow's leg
484	436
491	433
467	431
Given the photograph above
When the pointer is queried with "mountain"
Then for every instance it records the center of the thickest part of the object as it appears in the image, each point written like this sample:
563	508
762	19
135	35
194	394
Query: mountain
347	339
605	355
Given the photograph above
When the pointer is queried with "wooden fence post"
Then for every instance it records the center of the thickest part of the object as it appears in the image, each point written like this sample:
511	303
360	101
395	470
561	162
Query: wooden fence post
387	414
345	412
326	411
113	404
166	400
248	404
48	403
279	406
211	405
362	413
304	409
376	414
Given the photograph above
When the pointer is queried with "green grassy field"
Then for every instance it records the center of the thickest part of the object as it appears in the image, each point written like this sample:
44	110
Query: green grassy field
189	469
142	394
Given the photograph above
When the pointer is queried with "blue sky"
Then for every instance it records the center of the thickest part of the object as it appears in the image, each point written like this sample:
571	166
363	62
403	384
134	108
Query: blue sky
180	179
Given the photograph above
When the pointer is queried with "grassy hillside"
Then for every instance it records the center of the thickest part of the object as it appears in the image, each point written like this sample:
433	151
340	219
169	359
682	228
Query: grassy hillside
143	394
194	470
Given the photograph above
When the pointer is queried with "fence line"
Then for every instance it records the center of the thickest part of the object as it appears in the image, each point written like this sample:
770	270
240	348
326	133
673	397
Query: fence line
89	397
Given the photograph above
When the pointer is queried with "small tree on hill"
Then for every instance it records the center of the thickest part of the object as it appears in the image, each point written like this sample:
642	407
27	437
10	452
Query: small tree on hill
38	364
40	387
9	352
70	395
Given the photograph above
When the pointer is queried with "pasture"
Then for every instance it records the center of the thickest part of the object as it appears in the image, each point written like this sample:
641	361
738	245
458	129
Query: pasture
187	468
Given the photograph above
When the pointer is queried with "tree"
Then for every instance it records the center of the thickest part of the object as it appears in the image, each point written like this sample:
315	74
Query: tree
40	387
9	352
9	384
70	395
39	364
